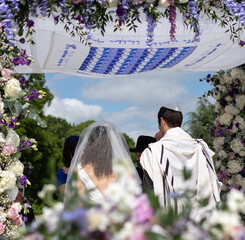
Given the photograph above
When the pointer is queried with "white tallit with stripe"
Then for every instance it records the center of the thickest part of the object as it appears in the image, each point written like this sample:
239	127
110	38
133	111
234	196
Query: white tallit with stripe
164	162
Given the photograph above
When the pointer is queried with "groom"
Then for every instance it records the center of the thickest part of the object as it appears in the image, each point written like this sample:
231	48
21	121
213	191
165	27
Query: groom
163	163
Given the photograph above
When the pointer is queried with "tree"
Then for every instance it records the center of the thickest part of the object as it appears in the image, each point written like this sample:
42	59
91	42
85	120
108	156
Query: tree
197	125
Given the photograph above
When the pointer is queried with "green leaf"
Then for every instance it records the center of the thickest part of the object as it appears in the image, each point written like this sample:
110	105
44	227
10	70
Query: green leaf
18	108
186	173
26	105
153	236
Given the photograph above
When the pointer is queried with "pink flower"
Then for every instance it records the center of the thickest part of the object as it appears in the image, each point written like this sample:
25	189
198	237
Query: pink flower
13	213
138	234
76	1
217	123
232	155
8	149
17	221
137	2
142	209
6	73
2	228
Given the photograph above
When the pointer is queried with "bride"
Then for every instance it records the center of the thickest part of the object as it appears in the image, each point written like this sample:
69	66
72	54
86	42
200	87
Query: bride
99	145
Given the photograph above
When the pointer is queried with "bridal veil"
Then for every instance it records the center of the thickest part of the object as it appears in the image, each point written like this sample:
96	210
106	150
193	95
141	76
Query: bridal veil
98	145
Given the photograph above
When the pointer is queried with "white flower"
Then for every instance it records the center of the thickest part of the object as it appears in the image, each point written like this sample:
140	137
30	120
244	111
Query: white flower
235	201
217	106
239	180
51	219
163	3
232	110
230	222
117	216
234	166
238	73
1	105
228	99
218	143
7	180
2	139
223	154
242	153
225	119
12	89
97	220
241	122
3	215
112	3
16	167
236	145
225	79
12	138
240	101
234	129
183	1
216	95
125	232
222	88
17	206
114	192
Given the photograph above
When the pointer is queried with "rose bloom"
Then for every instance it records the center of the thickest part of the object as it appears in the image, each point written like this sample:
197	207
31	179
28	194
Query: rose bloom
76	1
2	228
236	145
232	155
12	89
225	119
240	101
242	153
8	149
238	73
234	166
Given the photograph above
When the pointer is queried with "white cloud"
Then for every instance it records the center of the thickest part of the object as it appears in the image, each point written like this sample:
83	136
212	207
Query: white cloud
148	90
73	110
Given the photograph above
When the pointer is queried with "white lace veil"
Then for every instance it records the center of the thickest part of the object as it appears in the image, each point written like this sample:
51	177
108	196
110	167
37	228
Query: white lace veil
99	144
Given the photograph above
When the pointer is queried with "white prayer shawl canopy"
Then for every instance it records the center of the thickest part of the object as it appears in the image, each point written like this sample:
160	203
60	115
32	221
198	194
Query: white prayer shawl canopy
125	52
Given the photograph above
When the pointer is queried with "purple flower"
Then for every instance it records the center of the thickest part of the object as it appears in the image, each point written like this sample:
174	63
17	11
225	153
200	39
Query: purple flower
22	80
242	43
11	125
121	12
16	61
209	75
20	149
28	62
223	102
235	186
77	216
22	40
30	23
23	180
22	61
25	218
56	19
224	176
34	93
78	18
28	143
237	124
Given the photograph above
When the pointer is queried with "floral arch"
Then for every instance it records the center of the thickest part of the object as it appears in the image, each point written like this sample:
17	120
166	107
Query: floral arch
130	36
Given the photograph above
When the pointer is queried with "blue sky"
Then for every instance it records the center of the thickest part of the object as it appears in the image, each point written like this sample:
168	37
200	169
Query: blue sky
130	102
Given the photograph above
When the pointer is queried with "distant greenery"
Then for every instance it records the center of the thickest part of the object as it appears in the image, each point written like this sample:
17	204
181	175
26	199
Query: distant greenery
200	120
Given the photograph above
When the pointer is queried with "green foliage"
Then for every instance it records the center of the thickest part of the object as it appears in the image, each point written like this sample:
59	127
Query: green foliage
200	120
77	129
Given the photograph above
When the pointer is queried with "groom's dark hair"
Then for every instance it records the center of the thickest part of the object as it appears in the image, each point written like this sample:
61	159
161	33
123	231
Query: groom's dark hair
98	152
173	118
